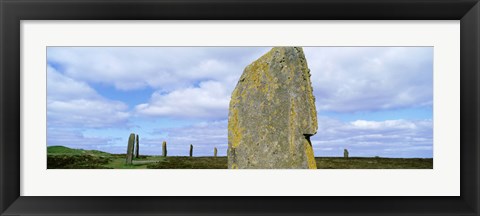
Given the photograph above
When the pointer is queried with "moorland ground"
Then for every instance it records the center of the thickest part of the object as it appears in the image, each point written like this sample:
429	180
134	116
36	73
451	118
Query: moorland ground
60	157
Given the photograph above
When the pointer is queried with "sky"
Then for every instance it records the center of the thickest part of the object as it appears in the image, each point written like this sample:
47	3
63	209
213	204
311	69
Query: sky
373	101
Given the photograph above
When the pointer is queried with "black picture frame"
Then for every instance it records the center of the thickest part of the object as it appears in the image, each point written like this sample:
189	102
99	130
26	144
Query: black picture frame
13	11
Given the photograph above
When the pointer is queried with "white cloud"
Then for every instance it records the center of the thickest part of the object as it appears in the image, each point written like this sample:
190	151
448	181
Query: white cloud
74	138
74	104
351	79
209	100
61	87
188	82
396	124
345	79
389	138
204	136
86	113
163	68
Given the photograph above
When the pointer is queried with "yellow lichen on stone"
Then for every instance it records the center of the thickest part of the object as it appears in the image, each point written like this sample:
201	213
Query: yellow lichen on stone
263	79
234	99
272	113
268	86
292	118
235	128
257	68
310	157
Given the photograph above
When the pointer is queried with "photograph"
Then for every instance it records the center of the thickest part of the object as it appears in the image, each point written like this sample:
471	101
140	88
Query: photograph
220	107
240	107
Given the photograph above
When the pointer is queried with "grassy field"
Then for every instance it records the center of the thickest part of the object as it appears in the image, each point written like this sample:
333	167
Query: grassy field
59	157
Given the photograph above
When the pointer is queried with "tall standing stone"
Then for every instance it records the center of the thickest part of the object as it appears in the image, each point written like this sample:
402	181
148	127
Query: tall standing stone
215	152
137	148
191	150
272	114
131	141
345	153
164	149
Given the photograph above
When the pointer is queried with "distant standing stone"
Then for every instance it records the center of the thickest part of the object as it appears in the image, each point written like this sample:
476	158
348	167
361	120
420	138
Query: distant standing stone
164	149
131	140
272	114
137	148
345	153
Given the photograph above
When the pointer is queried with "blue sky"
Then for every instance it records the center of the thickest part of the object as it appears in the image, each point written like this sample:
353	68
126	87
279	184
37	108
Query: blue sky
374	101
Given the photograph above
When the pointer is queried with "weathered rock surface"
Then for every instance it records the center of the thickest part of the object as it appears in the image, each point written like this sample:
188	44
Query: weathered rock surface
164	149
272	113
137	148
130	147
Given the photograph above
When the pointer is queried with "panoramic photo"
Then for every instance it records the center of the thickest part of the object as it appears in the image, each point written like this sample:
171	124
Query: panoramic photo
239	107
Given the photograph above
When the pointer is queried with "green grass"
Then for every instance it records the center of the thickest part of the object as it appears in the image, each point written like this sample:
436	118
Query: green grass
60	157
62	150
118	162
